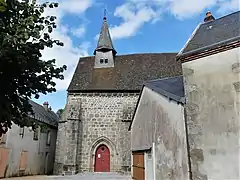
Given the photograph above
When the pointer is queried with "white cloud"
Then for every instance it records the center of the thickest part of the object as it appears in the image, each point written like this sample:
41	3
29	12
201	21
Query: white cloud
68	54
70	58
135	13
133	18
75	6
79	31
233	5
187	8
97	37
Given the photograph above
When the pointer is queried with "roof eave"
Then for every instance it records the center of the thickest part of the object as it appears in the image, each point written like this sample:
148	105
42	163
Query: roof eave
209	47
189	39
135	110
168	95
181	100
105	49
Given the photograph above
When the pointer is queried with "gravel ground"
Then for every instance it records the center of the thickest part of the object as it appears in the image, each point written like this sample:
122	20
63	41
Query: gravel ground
85	176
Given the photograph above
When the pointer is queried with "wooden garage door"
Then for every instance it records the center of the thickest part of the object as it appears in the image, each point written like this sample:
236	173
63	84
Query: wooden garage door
138	166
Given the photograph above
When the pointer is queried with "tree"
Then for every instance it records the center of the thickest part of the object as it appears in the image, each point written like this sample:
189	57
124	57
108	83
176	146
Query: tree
24	33
60	112
2	5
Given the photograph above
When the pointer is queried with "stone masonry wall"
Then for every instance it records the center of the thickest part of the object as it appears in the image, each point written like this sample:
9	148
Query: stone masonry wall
93	119
103	116
67	139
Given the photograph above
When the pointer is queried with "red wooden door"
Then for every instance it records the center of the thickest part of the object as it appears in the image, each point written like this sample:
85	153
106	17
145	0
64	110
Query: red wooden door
102	159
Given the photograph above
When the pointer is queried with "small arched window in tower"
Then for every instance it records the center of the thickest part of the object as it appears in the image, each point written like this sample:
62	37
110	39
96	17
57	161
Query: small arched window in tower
106	61
101	61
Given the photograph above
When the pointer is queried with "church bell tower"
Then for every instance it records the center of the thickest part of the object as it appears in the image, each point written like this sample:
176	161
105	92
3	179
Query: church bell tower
105	52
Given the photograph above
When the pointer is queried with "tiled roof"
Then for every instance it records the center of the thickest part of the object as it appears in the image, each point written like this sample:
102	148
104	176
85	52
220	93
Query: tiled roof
129	73
43	115
214	33
171	88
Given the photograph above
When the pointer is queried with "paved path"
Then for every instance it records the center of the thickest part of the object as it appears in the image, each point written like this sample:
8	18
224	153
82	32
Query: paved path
85	176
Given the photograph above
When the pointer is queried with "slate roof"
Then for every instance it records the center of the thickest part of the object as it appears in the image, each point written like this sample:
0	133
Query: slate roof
43	115
129	73
171	88
105	41
214	33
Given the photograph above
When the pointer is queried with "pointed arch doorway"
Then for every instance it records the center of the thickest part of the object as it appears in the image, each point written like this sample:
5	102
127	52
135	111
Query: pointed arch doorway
102	159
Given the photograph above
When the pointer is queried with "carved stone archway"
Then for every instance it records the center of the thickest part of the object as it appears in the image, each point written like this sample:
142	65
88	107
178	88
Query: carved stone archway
113	152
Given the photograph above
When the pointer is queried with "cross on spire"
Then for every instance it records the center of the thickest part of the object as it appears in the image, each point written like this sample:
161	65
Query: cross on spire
105	13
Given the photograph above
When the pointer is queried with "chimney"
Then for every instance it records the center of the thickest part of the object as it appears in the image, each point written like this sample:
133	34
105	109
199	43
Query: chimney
209	17
45	105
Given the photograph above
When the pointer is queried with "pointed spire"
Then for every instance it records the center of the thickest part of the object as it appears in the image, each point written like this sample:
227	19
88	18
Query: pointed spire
105	41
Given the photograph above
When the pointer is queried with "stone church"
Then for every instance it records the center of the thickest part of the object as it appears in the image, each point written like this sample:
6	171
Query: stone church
93	133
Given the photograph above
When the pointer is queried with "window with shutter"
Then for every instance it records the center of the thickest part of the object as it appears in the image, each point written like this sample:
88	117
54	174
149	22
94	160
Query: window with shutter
35	134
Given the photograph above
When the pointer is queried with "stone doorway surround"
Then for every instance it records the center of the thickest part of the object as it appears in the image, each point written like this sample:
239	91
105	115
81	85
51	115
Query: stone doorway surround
113	152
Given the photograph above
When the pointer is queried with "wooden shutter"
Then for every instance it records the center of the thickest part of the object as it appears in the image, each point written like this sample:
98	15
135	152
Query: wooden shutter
48	138
35	134
138	166
2	139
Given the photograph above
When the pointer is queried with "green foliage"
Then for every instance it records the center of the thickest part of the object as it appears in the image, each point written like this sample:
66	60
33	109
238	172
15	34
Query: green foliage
24	32
60	112
31	122
2	5
43	128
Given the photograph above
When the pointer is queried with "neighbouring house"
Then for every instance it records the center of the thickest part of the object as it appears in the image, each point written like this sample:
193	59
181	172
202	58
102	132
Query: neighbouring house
93	134
158	134
187	127
211	70
26	151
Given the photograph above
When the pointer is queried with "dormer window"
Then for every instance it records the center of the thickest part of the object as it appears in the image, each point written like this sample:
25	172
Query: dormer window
106	61
101	61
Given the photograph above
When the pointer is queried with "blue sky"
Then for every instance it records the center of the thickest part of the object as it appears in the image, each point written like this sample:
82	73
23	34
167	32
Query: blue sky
136	26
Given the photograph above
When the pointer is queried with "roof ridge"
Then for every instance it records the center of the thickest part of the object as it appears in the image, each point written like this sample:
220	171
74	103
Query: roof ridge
134	54
223	17
220	30
40	106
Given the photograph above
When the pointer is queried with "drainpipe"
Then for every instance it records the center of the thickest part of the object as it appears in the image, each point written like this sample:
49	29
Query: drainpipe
154	161
188	146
